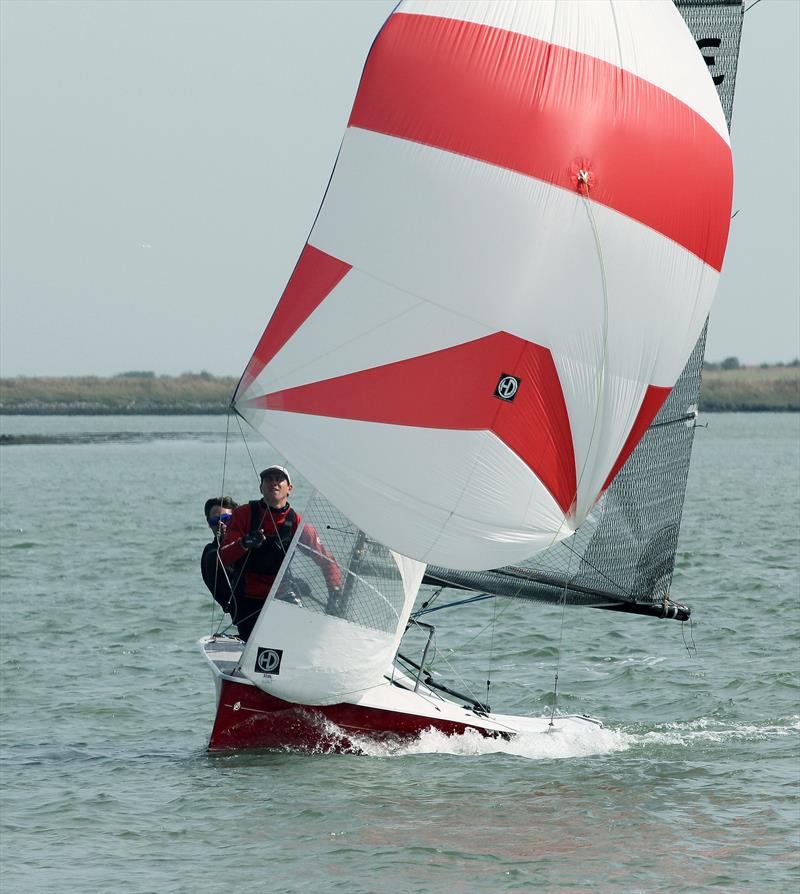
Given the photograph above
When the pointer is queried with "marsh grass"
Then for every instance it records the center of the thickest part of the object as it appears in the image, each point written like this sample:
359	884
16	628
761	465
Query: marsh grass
134	393
768	388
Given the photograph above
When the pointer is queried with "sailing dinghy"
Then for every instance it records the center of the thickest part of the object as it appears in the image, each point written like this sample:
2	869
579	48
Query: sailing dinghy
504	292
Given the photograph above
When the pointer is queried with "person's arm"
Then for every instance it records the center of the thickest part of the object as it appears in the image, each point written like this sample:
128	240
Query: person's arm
310	539
232	550
208	562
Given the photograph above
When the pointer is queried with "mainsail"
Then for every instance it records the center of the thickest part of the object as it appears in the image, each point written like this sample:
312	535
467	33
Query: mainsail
624	557
515	256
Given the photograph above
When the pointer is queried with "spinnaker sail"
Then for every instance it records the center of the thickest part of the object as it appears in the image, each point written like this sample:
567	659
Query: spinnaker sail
514	259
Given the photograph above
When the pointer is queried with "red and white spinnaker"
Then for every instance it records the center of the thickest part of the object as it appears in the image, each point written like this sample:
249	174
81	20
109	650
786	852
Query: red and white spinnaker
516	254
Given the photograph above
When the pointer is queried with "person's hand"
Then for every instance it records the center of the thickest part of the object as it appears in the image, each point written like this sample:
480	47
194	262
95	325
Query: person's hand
252	540
335	600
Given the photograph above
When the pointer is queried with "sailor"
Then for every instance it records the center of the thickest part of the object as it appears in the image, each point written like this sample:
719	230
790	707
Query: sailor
256	541
218	512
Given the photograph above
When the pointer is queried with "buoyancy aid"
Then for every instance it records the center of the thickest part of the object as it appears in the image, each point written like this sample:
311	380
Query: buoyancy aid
268	557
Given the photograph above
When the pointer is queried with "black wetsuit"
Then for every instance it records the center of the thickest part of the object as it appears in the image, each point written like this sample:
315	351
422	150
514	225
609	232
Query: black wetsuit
214	575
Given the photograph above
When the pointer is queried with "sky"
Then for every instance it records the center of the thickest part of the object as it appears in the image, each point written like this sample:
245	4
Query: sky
161	165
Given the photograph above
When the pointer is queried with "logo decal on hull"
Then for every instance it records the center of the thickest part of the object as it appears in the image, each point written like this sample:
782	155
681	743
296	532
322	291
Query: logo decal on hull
268	661
507	387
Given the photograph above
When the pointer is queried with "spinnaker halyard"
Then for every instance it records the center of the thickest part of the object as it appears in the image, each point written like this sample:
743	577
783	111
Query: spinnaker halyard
512	265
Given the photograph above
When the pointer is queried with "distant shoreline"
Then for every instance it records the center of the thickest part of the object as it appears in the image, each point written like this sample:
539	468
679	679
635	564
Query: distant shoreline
751	389
90	408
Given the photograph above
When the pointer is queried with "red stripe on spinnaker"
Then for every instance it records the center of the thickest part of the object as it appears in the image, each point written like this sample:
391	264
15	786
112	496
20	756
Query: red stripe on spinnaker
314	277
652	402
547	111
454	389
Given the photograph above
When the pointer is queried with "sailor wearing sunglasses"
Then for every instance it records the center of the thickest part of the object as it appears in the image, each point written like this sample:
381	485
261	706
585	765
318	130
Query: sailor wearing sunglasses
218	512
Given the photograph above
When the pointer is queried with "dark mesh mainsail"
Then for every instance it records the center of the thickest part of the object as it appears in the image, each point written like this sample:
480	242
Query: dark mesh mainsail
623	555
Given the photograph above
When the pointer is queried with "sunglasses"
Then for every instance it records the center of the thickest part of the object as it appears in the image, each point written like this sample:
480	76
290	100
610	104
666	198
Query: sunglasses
216	519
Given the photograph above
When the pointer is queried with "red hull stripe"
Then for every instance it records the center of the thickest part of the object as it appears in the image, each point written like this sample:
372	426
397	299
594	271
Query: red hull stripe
547	111
654	398
249	718
314	277
535	425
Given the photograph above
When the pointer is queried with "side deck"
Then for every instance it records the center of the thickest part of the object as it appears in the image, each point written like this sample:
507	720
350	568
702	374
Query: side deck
223	653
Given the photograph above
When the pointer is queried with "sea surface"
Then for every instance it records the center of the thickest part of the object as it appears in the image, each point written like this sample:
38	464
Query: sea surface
693	784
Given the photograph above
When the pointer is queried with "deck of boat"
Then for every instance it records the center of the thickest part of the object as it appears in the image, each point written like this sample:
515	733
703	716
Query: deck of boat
224	653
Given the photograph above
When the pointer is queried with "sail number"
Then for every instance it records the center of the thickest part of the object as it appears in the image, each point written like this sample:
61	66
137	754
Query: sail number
704	44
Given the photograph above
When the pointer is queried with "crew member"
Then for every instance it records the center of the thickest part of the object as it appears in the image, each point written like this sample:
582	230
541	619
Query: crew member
218	512
255	543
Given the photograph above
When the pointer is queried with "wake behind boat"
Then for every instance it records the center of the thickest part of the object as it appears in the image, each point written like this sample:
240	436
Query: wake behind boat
499	300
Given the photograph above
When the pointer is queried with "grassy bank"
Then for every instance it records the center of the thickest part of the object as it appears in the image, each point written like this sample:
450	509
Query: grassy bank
751	388
746	388
126	394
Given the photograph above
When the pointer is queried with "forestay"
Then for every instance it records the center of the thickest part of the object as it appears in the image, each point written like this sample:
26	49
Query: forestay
514	259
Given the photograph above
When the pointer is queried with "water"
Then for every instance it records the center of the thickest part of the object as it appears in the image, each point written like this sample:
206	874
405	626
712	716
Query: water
106	702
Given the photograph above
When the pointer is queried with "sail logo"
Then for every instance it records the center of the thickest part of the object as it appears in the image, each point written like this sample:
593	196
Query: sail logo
268	661
507	387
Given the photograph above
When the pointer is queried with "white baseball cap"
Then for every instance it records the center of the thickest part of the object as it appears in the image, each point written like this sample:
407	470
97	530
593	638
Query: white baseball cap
282	469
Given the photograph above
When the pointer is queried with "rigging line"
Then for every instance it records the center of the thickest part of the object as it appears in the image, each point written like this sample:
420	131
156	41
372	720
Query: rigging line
428	602
266	509
291	371
218	565
567	543
685	418
424	610
240	573
438	699
454	671
457	649
243	565
247	446
432	641
599	571
225	452
551	725
583	177
491	653
693	649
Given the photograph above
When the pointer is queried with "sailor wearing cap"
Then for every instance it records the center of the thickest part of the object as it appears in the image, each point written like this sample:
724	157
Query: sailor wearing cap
276	485
256	541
